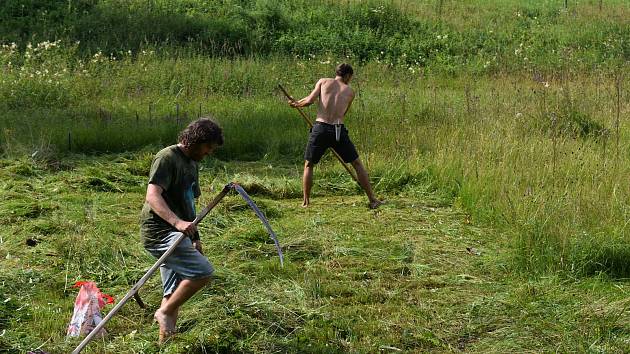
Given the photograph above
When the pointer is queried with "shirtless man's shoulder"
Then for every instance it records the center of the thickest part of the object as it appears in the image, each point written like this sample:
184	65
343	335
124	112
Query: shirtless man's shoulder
335	86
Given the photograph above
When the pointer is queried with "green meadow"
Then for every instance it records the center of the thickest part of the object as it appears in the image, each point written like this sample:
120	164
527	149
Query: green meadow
497	131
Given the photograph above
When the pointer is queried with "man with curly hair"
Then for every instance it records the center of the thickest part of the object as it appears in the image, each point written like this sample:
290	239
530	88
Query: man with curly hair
169	210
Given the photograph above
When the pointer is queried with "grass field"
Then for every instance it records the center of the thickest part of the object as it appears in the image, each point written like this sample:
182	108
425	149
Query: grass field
400	278
497	130
545	155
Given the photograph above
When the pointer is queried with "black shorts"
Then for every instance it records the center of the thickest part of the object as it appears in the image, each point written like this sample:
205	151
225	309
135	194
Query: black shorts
322	137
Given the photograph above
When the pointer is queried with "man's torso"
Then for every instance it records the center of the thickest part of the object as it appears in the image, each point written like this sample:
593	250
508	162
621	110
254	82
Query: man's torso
178	176
334	98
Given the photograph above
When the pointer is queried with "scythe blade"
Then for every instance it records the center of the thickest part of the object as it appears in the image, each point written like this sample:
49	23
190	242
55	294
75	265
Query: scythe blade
262	218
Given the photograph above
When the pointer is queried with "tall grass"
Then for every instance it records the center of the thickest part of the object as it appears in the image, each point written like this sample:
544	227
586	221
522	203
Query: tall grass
534	154
538	151
485	36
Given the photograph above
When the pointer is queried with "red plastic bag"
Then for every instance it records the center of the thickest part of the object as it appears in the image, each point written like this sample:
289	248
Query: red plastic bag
87	309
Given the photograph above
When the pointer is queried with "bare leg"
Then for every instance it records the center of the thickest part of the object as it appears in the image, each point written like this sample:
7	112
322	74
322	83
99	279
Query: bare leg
307	183
166	315
164	301
364	181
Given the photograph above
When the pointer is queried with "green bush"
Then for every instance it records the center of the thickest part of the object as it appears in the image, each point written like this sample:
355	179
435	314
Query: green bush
529	36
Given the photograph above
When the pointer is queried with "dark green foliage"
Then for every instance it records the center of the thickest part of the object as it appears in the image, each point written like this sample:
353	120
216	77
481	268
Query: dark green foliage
573	124
23	21
7	311
608	257
579	124
539	36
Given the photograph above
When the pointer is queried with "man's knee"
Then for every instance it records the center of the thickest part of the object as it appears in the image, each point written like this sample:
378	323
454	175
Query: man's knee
308	164
202	281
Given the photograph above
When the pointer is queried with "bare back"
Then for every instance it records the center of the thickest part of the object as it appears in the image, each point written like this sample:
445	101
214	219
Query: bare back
335	98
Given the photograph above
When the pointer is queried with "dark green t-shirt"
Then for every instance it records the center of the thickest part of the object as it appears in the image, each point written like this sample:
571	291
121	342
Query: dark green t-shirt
178	175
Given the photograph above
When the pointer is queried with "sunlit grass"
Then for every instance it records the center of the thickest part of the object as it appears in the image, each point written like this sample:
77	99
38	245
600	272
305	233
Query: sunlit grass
354	279
541	156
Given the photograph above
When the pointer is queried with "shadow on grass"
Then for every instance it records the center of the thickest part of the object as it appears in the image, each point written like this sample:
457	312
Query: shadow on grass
613	260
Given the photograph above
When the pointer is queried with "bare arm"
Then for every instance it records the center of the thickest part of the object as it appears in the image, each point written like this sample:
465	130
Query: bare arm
159	206
308	100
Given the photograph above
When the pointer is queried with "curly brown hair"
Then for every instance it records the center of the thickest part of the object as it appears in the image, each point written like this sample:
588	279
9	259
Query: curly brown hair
203	130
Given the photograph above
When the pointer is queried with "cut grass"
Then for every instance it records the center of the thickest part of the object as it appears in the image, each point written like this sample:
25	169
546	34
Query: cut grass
354	280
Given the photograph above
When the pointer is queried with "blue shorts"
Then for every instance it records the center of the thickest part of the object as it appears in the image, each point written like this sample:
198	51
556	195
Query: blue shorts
184	263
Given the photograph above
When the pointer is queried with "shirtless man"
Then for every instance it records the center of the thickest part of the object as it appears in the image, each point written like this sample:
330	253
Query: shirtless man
335	97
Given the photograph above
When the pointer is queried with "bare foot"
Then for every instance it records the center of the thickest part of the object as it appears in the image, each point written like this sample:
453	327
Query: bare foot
305	204
376	203
166	323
